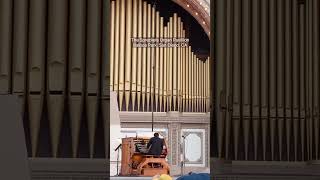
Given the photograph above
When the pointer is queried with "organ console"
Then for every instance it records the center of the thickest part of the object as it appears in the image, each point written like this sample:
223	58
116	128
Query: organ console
136	162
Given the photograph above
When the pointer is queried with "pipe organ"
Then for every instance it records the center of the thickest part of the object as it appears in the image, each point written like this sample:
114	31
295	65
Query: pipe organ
266	80
55	64
162	78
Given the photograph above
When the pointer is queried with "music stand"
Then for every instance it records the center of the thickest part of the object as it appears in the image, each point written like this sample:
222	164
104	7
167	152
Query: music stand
117	149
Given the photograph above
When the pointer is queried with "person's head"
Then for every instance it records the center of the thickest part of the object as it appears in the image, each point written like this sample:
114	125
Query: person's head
165	177
156	134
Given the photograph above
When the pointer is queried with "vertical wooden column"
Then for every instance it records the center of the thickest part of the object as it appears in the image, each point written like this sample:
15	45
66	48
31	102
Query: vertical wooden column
56	68
36	68
76	70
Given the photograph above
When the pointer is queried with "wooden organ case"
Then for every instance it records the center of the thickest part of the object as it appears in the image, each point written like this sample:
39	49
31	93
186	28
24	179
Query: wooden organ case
136	162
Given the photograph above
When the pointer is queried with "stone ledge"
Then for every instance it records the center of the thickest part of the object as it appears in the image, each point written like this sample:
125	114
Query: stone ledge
65	168
268	169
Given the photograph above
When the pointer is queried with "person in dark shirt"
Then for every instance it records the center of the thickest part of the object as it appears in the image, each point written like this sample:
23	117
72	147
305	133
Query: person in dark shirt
156	144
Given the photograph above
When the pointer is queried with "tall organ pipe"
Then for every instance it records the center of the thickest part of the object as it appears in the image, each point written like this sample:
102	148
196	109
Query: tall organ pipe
272	73
165	71
128	55
150	57
36	68
280	74
140	60
122	52
116	47
93	58
56	67
134	54
112	40
161	69
157	63
256	75
288	74
228	75
220	82
19	51
246	69
105	94
236	77
178	49
170	69
5	45
295	68
302	79
175	65
264	75
315	56
76	69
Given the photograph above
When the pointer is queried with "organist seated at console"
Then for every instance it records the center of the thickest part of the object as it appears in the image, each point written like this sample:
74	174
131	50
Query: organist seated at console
155	145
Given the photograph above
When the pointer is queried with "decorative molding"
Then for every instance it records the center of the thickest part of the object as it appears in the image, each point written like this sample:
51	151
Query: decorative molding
165	117
201	12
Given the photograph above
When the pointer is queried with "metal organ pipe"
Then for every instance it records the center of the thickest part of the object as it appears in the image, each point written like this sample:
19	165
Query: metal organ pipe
268	80
76	69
